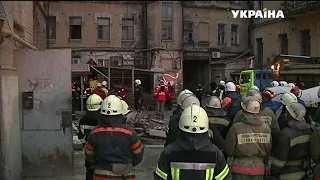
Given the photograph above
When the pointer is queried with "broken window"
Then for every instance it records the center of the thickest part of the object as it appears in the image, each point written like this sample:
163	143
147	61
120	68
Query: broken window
221	33
234	34
203	31
188	32
259	50
52	27
103	28
127	29
75	27
167	30
305	41
283	40
167	21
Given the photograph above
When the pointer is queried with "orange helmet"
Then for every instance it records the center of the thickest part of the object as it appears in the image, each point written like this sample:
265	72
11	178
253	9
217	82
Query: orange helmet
268	93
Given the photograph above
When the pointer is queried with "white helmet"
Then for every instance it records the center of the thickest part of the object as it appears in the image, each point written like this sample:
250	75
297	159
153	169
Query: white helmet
223	83
283	83
137	81
194	119
94	102
291	85
288	98
256	94
183	94
190	100
125	107
214	102
230	86
297	111
254	88
250	105
111	106
104	83
275	84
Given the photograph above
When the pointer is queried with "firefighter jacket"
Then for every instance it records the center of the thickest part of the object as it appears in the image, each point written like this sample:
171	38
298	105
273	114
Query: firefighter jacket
113	143
161	93
192	157
218	118
269	118
105	91
138	92
231	104
99	91
282	120
199	92
249	142
314	150
292	151
88	122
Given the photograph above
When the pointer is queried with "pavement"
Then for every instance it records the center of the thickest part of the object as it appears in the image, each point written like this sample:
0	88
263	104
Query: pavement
143	171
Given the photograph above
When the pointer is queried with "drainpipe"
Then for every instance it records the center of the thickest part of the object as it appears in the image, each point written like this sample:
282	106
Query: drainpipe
15	37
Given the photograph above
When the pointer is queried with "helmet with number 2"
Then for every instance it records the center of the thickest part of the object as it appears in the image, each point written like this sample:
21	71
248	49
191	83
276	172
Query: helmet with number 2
194	119
111	106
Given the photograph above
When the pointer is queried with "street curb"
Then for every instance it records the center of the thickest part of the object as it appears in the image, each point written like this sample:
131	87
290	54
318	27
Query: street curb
154	146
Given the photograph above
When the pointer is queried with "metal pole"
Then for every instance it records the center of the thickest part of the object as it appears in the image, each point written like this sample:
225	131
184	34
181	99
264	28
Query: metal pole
81	91
109	69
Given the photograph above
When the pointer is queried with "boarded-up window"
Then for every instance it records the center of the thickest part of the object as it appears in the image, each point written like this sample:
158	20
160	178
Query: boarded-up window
203	31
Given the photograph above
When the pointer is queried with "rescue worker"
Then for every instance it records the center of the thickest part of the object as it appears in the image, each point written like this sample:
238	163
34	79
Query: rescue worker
231	103
99	91
286	99
249	143
199	92
302	85
275	84
105	87
113	147
188	100
265	114
217	116
138	95
160	93
283	83
314	151
220	91
267	96
297	92
180	97
192	155
88	122
254	88
170	96
292	153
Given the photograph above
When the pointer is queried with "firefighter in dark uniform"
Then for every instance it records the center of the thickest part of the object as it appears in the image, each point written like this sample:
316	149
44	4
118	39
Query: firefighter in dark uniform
231	103
88	122
315	152
292	153
113	147
199	92
180	97
137	95
249	143
286	99
192	156
217	116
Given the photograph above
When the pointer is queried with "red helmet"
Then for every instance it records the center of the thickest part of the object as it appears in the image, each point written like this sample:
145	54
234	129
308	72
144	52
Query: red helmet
296	91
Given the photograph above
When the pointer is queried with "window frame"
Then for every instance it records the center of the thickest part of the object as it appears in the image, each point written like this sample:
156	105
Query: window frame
75	25
125	28
100	27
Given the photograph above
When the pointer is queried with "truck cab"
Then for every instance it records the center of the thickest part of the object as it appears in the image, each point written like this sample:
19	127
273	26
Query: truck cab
261	78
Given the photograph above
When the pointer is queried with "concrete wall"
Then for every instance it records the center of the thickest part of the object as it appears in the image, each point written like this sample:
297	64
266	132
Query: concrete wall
269	32
18	17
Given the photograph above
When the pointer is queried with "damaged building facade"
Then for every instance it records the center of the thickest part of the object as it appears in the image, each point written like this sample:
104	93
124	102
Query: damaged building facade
297	36
167	39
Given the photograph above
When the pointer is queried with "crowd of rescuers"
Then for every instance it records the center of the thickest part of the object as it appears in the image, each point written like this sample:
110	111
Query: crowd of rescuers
228	137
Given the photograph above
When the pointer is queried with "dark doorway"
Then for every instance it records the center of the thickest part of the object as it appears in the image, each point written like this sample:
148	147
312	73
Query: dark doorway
195	72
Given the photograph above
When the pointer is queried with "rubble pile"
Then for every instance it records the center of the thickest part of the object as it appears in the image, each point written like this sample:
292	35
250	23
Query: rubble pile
149	129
